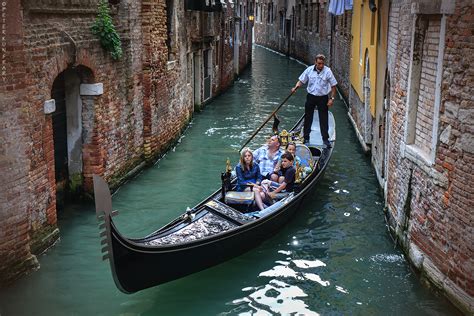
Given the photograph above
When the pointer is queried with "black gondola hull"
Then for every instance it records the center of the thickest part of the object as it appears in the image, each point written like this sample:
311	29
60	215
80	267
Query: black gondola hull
133	263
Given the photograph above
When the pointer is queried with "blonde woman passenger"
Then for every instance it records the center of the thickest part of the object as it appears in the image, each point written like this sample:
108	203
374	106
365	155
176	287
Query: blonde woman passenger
248	172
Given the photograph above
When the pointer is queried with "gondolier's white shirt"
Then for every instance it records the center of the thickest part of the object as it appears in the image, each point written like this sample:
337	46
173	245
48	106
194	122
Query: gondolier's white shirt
319	84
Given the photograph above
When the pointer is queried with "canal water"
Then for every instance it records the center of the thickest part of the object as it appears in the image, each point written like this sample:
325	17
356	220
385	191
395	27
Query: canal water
334	258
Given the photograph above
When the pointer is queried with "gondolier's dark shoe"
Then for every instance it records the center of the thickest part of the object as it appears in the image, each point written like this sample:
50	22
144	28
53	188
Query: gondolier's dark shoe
327	143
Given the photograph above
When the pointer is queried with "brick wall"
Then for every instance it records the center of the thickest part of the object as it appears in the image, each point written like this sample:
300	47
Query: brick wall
147	101
14	188
169	105
342	51
431	205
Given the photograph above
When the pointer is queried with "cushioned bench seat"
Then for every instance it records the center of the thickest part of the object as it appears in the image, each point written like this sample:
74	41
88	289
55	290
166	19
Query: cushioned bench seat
235	197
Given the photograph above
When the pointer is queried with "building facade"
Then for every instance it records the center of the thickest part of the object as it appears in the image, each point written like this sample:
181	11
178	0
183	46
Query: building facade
429	185
404	69
69	110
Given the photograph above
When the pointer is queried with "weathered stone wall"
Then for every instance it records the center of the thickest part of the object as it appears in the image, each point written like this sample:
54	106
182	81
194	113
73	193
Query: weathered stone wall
341	56
52	39
226	71
14	160
431	205
361	118
147	100
169	102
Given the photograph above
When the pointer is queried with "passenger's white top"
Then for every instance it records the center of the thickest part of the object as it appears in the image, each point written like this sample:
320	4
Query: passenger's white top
318	83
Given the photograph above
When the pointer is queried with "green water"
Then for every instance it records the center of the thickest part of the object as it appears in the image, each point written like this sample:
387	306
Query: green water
334	258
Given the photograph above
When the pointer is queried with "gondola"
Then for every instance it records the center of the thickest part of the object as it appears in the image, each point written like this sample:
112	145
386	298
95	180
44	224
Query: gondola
213	231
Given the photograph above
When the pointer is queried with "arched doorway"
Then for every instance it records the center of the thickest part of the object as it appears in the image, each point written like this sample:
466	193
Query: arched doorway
67	128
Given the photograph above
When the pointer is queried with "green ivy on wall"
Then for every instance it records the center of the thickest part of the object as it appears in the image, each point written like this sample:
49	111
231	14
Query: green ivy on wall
104	29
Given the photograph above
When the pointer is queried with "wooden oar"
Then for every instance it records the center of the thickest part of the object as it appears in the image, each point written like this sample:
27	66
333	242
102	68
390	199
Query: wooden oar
266	121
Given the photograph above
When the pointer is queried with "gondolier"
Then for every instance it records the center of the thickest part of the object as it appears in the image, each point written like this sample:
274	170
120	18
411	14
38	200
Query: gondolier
321	82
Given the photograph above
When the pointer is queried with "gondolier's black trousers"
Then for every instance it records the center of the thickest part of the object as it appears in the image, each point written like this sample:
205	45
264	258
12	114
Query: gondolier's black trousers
322	103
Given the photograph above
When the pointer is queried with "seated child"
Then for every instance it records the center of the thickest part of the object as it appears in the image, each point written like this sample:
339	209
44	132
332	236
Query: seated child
290	147
267	191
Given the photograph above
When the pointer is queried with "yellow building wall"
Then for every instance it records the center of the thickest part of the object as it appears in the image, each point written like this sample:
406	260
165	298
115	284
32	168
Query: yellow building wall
364	41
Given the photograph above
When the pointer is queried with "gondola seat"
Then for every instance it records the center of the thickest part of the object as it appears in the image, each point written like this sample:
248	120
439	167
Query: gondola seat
235	197
304	153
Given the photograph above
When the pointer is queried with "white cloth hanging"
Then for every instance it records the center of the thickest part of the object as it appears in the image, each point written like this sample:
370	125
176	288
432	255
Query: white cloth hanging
337	7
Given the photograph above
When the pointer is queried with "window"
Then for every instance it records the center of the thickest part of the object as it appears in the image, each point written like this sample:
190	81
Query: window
217	49
298	16
189	68
293	23
171	34
257	13
282	23
270	13
316	18
423	99
306	16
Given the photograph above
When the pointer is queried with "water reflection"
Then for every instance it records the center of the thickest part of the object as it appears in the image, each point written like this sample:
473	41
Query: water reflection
275	297
282	294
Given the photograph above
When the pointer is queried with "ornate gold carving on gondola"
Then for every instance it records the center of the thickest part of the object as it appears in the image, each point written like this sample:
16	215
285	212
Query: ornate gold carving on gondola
284	137
298	173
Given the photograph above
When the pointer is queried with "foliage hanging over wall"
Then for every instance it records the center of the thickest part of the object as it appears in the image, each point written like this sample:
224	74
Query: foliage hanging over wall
104	29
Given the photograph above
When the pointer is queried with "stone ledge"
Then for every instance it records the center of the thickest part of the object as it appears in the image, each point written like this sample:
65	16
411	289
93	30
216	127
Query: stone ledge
170	65
49	106
359	135
455	294
433	275
91	89
433	7
415	155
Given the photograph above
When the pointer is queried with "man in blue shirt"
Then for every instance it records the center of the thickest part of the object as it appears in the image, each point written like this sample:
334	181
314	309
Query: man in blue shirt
321	81
268	155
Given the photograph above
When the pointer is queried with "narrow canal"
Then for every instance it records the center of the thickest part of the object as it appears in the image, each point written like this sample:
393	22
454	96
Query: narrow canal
335	257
